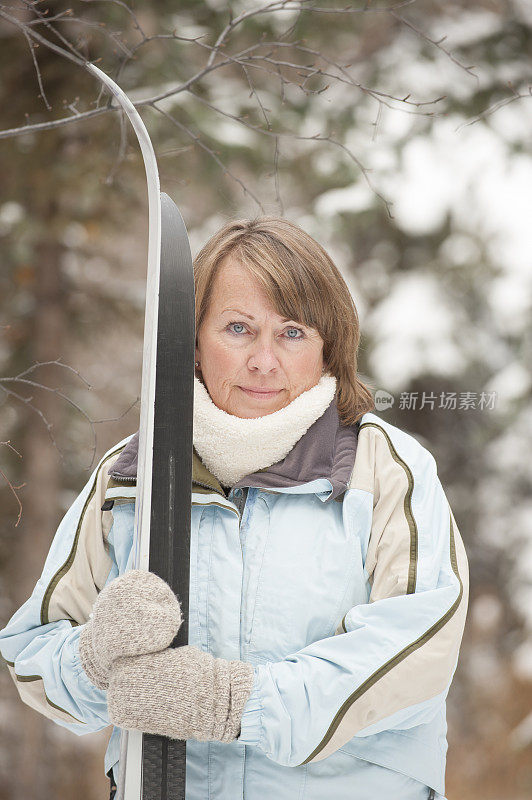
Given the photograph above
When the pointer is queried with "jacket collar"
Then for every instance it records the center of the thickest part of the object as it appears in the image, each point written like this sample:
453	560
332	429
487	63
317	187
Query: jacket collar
326	451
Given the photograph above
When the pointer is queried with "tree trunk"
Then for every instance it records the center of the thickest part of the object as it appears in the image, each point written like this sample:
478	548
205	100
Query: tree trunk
33	763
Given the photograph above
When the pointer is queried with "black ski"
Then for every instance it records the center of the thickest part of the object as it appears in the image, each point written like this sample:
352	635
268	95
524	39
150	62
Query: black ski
154	767
164	760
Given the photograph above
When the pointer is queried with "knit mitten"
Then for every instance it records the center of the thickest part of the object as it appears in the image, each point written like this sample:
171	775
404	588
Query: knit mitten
136	613
182	693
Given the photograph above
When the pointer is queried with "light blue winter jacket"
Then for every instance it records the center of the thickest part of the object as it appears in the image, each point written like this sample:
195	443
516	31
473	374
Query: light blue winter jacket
339	573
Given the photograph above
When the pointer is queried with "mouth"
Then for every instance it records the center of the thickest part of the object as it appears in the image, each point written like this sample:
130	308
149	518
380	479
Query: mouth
260	394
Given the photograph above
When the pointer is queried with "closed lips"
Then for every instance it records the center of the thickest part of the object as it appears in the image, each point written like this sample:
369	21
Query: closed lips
260	391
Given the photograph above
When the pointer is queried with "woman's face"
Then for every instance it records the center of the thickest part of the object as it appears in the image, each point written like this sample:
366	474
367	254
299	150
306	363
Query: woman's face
243	344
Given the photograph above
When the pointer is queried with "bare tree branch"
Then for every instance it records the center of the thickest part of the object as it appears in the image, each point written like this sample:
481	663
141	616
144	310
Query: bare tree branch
376	123
500	104
58	363
28	401
276	5
37	70
374	93
260	56
348	79
276	173
37	36
120	4
361	10
316	137
43	20
436	43
299	6
245	59
211	152
11	486
57	123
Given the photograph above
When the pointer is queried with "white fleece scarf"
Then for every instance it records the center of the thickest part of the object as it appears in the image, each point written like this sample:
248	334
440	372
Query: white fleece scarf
231	447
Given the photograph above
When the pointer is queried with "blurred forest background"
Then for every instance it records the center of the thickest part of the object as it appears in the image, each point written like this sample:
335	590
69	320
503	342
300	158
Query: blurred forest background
399	136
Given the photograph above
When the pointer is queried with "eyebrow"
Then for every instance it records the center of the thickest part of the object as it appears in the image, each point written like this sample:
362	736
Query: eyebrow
243	313
238	311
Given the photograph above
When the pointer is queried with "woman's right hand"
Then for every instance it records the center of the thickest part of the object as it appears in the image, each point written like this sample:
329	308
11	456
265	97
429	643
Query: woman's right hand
135	614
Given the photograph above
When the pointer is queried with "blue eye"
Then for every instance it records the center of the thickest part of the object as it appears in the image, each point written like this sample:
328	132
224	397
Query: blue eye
292	338
235	323
295	329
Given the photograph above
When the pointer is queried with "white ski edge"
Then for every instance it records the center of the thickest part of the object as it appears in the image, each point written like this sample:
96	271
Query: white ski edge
130	778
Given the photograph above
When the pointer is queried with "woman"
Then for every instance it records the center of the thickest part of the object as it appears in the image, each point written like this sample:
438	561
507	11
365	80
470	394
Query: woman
329	582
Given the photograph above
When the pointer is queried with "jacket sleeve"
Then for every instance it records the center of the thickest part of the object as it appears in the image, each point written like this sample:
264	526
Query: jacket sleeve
391	661
40	642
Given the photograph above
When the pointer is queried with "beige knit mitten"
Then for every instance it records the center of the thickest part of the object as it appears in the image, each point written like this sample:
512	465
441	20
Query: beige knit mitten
182	693
136	613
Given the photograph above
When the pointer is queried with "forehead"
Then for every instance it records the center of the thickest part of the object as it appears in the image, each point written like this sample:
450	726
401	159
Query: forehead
234	283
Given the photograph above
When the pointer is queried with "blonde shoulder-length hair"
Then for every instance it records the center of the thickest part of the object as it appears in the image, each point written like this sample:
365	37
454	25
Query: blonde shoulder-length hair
302	283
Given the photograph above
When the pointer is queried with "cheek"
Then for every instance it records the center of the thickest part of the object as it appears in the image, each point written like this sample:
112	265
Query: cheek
308	359
220	354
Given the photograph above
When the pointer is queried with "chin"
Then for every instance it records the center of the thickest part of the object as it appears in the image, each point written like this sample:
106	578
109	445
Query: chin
254	410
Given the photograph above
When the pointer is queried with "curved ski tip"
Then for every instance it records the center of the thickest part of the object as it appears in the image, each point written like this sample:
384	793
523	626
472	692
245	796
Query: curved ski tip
168	205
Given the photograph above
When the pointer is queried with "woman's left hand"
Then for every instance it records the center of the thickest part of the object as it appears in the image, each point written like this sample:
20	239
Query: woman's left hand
182	693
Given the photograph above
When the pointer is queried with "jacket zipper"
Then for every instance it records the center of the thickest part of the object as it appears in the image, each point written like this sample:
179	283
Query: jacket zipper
126	479
241	502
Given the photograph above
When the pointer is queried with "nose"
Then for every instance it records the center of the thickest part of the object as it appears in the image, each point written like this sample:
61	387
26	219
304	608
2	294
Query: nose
262	357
